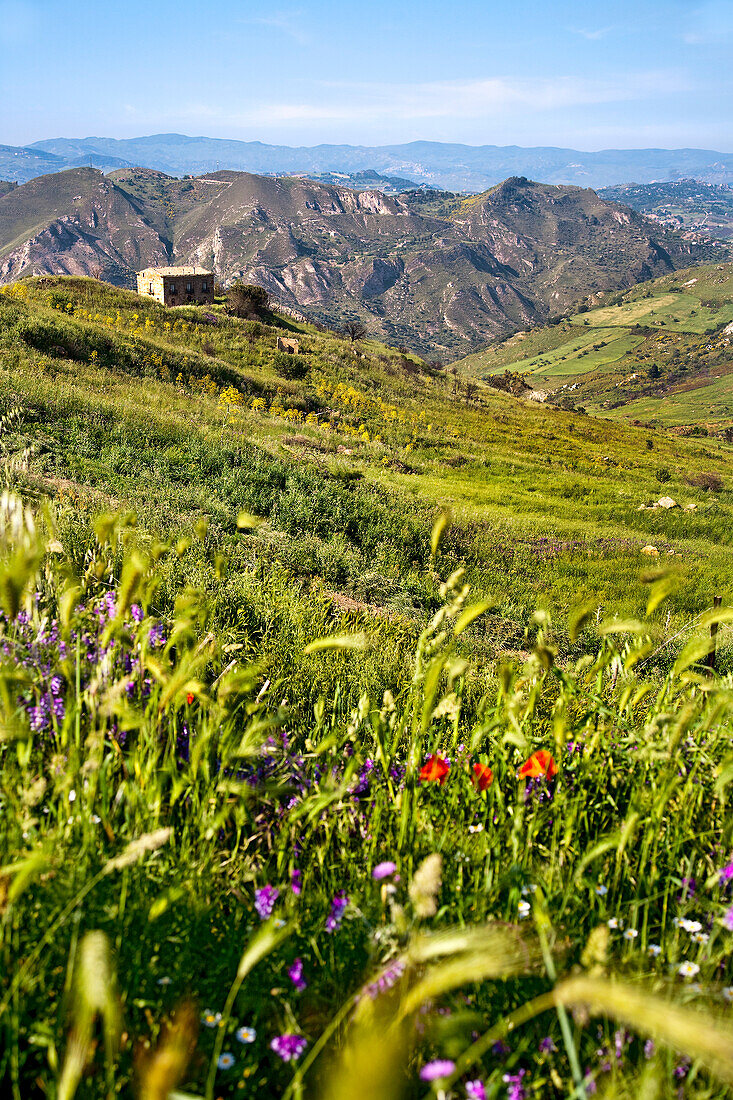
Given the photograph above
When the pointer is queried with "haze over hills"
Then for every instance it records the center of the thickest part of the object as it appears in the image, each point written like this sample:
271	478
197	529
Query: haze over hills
439	164
443	282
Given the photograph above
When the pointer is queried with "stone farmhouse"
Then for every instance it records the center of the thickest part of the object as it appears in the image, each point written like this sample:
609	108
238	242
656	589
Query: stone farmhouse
177	286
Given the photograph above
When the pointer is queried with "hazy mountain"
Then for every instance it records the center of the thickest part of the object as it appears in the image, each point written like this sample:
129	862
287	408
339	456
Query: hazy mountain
510	257
20	163
452	166
686	205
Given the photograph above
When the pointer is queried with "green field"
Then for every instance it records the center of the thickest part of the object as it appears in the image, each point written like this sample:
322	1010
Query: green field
351	722
673	327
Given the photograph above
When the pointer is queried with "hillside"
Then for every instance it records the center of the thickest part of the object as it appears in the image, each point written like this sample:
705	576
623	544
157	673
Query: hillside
347	453
439	277
689	206
438	164
335	691
661	351
73	222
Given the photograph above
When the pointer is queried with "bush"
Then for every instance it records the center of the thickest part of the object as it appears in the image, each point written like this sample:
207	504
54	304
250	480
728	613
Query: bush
662	474
247	300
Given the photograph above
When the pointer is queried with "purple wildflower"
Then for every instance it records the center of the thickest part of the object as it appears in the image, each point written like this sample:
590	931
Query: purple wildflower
514	1081
56	684
384	870
386	979
475	1090
434	1071
288	1047
156	635
726	873
295	973
338	908
728	919
649	1049
547	1046
136	612
296	881
265	899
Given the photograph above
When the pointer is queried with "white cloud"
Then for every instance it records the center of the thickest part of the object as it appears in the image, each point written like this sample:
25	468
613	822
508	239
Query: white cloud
494	98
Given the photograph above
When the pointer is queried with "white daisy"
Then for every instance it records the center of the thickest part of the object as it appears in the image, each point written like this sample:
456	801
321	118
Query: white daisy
210	1019
615	922
601	890
524	908
654	949
688	969
630	934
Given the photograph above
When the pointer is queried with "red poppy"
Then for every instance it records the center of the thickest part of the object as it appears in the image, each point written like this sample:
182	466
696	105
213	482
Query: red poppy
190	698
539	763
434	770
483	776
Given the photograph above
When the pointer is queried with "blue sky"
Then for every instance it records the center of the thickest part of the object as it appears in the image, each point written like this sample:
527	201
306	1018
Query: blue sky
625	73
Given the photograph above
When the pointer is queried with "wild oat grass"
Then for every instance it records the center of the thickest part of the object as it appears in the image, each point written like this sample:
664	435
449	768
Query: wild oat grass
302	793
177	836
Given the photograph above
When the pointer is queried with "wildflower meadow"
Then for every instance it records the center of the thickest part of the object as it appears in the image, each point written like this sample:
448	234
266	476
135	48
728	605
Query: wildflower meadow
314	784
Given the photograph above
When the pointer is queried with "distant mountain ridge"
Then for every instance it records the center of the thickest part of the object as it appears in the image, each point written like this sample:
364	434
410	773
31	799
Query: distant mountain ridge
444	165
439	278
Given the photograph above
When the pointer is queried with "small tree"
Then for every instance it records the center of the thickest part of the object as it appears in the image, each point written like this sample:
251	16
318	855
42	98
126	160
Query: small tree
247	300
354	330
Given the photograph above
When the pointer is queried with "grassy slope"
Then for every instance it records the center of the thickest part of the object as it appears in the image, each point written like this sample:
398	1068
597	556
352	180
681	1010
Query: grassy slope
168	746
605	354
545	501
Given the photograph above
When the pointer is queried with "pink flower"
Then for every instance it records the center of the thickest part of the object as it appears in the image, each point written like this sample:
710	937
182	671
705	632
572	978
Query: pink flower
384	870
434	1071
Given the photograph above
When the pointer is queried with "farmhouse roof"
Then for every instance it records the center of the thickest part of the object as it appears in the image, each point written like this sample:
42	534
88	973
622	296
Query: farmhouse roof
180	271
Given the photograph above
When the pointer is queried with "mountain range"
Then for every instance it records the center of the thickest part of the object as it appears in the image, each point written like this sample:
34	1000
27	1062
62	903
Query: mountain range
440	276
438	164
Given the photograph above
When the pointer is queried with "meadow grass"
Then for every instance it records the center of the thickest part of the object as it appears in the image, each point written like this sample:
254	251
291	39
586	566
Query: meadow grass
209	888
306	793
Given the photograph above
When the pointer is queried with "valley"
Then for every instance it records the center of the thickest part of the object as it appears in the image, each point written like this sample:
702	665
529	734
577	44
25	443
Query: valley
661	352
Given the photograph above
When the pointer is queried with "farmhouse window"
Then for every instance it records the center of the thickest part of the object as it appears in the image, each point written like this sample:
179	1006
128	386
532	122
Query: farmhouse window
189	288
150	288
204	286
173	289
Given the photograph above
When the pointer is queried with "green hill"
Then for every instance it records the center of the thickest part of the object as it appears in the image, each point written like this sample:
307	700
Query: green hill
348	453
351	717
662	351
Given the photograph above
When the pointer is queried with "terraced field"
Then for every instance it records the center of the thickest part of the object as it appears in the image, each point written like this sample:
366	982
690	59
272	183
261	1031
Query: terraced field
661	350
